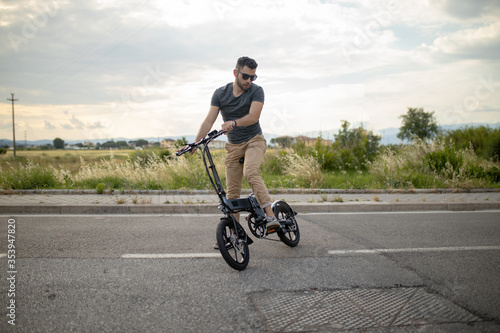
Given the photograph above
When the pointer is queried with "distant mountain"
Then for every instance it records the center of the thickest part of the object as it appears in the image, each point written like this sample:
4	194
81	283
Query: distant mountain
389	136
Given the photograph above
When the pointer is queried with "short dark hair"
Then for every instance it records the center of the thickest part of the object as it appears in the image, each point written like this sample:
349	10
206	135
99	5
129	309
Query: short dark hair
246	61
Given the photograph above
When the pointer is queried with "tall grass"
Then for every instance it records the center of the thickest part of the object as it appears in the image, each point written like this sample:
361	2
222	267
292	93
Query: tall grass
28	176
420	165
432	165
151	172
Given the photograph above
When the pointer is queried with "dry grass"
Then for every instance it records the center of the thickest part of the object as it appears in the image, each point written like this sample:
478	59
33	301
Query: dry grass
305	170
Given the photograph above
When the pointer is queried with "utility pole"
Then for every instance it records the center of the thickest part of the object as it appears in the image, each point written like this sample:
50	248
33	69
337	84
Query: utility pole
13	126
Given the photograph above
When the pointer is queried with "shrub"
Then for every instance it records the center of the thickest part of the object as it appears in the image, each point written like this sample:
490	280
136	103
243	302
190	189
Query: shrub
492	148
29	176
440	160
100	188
274	163
483	140
353	149
305	171
3	151
435	164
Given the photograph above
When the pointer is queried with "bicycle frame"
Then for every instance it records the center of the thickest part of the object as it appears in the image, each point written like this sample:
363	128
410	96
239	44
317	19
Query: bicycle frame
228	206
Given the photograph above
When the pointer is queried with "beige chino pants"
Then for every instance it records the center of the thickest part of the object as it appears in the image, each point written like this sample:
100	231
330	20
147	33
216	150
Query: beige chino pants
253	151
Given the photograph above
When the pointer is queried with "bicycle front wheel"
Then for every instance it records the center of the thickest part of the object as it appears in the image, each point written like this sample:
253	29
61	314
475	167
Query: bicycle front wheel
233	244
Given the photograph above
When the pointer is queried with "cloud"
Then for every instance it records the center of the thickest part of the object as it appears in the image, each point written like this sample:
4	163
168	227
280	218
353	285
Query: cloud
77	124
470	9
475	43
95	125
5	125
48	125
112	68
67	126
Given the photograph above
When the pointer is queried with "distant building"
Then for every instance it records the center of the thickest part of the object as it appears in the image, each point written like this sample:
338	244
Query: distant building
309	142
288	141
217	144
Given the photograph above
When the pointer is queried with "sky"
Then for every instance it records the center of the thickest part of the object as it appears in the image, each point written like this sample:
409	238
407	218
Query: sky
105	69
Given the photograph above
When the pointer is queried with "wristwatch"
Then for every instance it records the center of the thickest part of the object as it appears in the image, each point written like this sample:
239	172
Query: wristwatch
234	123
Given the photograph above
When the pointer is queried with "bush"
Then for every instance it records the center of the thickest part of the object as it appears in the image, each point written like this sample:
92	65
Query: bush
423	165
483	140
274	163
305	171
440	160
353	149
100	187
492	147
29	176
3	151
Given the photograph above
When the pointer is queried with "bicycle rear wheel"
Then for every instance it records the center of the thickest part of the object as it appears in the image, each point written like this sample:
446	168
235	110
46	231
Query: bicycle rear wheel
289	234
233	244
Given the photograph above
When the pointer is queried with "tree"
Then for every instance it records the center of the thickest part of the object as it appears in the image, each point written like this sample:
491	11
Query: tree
283	141
179	143
109	144
355	147
141	143
58	143
121	144
418	123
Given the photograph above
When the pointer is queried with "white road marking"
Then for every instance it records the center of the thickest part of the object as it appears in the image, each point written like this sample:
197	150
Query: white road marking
422	249
170	255
3	255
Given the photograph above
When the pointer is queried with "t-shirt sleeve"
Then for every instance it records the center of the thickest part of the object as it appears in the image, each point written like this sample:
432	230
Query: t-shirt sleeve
216	98
258	96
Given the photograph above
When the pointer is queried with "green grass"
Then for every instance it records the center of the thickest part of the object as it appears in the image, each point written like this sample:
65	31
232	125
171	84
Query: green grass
419	165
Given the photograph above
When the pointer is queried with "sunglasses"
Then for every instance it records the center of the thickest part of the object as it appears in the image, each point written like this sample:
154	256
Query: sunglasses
245	76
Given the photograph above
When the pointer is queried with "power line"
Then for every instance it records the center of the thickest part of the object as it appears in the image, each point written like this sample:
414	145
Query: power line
12	99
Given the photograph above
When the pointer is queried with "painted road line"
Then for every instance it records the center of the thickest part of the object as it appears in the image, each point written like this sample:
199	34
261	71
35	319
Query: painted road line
421	249
3	255
169	255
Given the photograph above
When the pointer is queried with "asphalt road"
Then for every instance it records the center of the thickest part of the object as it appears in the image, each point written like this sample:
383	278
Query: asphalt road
74	273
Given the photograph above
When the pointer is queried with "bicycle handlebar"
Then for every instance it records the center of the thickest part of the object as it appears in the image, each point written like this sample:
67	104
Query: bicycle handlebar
192	146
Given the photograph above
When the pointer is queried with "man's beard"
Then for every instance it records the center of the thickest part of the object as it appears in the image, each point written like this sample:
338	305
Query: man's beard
242	86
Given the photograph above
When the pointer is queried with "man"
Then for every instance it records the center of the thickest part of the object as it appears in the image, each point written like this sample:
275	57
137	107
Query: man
240	104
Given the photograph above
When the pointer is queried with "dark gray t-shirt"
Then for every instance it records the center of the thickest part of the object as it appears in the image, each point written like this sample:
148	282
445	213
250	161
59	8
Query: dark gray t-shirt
233	108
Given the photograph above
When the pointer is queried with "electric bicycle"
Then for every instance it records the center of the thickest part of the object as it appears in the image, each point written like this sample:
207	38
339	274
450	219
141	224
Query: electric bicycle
232	239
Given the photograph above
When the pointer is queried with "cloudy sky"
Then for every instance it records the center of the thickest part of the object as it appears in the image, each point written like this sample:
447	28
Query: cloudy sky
103	69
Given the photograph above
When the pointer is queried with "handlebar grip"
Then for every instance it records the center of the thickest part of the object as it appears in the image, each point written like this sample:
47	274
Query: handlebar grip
190	146
183	150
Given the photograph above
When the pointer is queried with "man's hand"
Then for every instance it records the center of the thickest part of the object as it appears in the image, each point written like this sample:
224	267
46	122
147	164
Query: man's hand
227	126
193	150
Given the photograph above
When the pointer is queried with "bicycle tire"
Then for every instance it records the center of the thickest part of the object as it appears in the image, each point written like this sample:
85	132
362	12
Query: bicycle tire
233	249
291	235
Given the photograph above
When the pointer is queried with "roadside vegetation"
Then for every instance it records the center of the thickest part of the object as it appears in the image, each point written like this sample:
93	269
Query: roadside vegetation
460	159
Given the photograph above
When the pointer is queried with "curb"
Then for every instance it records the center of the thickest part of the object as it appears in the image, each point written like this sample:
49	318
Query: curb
247	191
303	208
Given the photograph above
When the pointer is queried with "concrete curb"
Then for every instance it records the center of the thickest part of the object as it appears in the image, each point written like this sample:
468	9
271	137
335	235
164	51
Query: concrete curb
212	208
247	191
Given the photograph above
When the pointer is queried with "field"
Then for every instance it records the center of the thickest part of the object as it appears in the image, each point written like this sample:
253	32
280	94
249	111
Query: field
420	165
68	159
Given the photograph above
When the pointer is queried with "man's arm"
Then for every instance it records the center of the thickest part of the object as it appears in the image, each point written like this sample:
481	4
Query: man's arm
251	118
207	124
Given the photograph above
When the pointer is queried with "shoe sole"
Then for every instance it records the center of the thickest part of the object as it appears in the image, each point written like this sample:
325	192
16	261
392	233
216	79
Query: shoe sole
273	227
